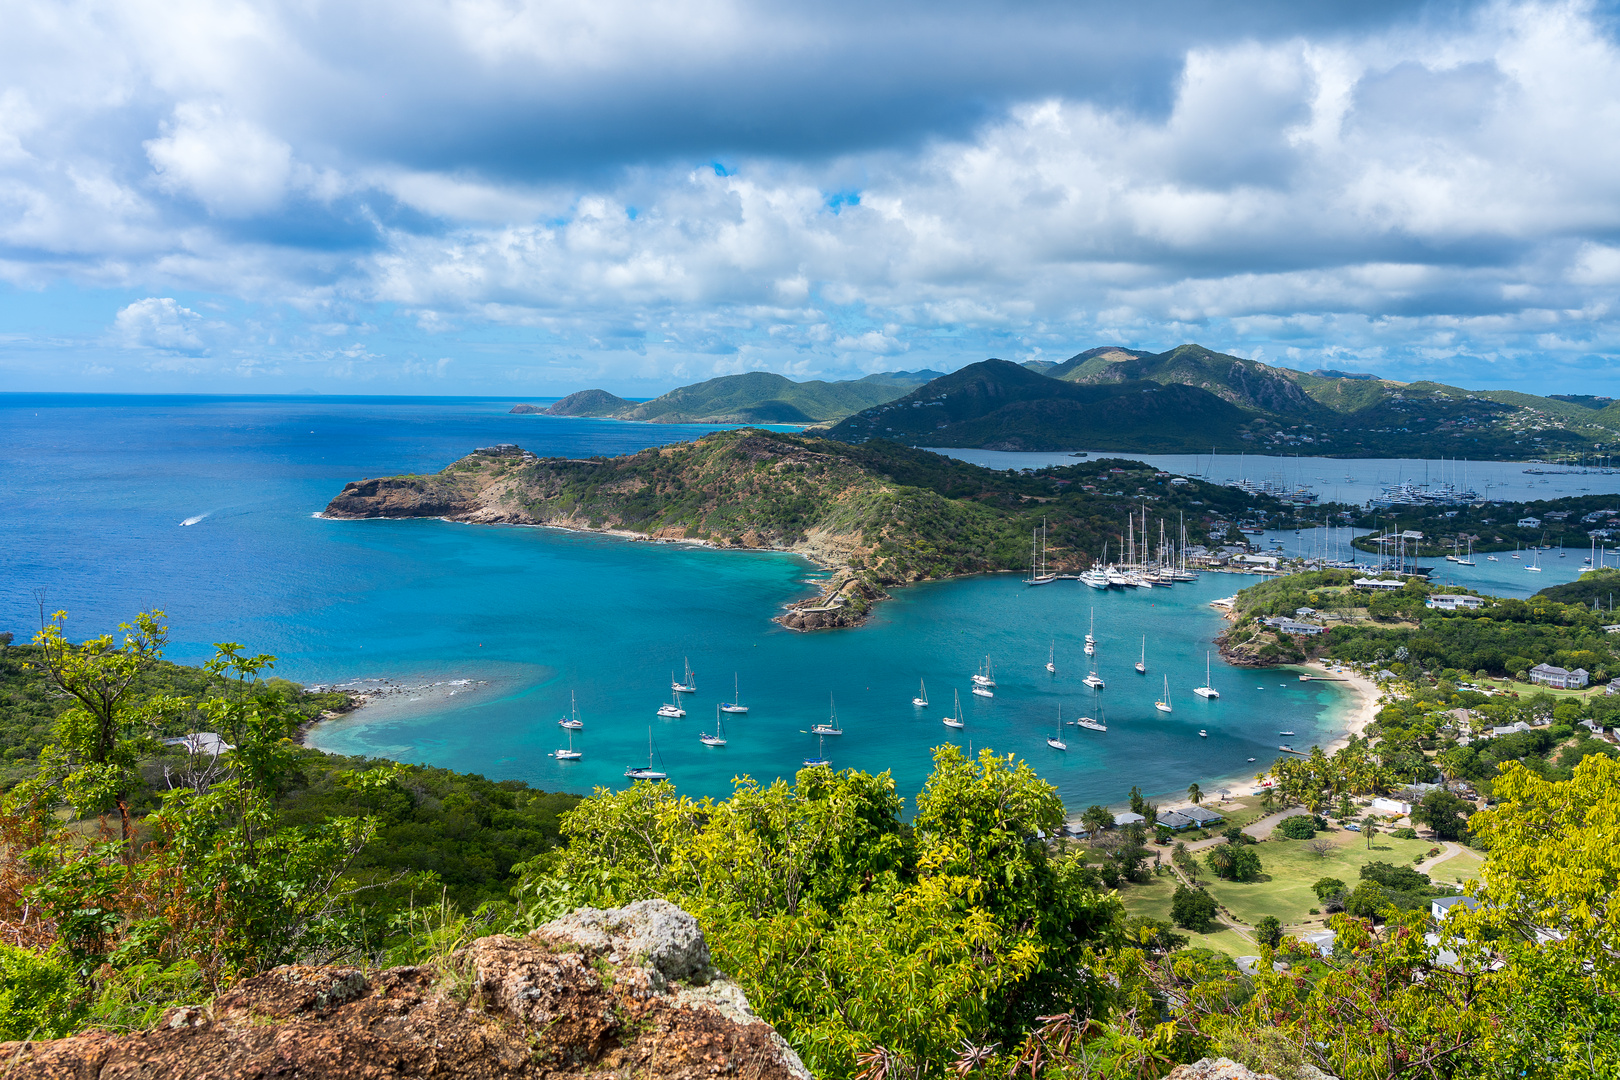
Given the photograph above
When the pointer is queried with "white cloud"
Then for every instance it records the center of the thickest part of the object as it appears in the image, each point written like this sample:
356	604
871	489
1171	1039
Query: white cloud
159	323
230	165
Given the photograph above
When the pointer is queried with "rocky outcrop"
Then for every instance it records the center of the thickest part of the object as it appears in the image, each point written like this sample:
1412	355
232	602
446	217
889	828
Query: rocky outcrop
846	600
1227	1069
589	403
525	410
399	497
624	992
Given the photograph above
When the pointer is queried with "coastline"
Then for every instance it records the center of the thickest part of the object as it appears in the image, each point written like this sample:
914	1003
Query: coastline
1364	713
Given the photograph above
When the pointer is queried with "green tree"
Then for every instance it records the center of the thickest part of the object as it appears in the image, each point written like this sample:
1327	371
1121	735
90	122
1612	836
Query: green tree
1326	888
1138	804
1193	909
1445	813
1094	819
1195	794
1268	931
1369	828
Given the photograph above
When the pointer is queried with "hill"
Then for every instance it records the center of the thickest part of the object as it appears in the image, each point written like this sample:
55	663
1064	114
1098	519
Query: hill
1599	586
1003	406
878	513
585	403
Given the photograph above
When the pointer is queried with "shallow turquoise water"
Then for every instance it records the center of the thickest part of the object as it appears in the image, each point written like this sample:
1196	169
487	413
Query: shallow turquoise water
97	489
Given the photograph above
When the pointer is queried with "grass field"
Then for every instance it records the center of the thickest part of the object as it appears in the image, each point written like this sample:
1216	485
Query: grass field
1459	868
1153	900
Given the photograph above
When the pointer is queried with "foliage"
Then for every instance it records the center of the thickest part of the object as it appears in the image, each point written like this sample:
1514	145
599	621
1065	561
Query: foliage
1234	863
1193	909
1327	887
1268	931
1297	827
1445	813
38	999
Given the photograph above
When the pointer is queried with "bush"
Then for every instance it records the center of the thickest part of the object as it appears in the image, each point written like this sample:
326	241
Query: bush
1193	909
1268	931
36	997
1327	887
1366	901
1234	863
1297	827
1405	834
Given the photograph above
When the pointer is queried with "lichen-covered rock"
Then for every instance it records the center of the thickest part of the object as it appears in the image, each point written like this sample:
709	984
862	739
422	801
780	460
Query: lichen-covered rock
555	1003
1227	1069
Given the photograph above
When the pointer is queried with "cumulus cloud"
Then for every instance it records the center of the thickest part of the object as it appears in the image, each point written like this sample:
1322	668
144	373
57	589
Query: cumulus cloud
1300	182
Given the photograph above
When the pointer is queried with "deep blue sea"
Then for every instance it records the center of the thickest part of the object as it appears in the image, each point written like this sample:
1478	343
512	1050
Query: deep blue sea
484	633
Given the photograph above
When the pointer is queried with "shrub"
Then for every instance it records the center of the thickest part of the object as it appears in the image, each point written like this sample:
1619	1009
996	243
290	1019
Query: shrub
36	997
1193	909
1234	863
1405	834
1268	931
1298	827
1326	887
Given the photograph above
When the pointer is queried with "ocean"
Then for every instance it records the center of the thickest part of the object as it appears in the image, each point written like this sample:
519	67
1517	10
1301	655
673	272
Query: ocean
478	638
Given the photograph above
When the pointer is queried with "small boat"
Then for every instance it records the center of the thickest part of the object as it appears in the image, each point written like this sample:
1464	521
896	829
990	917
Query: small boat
572	721
636	772
1094	681
956	721
1492	558
569	754
735	705
984	691
820	758
719	736
921	701
1056	741
1051	657
1163	705
1285	733
1251	759
673	710
1202	734
1535	564
1206	691
831	727
986	675
1141	665
687	685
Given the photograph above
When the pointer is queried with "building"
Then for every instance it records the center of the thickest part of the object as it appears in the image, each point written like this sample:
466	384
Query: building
1294	626
1529	523
1449	602
1442	906
1377	584
1557	677
1202	816
1391	806
1170	819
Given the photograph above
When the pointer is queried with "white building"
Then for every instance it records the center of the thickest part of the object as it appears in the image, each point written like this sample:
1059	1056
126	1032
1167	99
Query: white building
1558	678
1377	584
1449	602
1529	523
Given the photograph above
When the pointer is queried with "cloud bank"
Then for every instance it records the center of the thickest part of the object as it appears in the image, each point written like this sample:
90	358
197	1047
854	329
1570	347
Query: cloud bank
492	195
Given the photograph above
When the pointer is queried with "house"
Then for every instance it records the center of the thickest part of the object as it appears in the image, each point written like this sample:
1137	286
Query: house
1320	939
1391	806
1379	584
1304	612
1256	560
1201	815
1510	729
1170	819
1449	602
1529	523
1441	906
1558	678
1292	626
1128	818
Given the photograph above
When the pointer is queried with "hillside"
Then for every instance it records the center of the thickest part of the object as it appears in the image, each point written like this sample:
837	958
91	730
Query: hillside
585	403
1571	522
1599	586
878	514
1003	406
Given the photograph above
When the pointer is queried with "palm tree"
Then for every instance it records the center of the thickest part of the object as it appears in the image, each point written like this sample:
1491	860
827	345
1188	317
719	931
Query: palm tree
1195	795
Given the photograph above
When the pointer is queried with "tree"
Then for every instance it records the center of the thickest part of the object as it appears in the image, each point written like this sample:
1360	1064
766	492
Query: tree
1268	931
1326	888
1193	909
1234	863
1369	828
1367	900
1185	862
1096	818
1298	827
1268	800
1445	813
1195	794
1137	802
1321	847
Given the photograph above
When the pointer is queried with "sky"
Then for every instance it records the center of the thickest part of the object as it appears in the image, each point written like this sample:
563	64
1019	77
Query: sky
522	198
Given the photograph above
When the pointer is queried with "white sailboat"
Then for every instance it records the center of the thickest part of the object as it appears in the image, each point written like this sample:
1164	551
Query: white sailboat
735	705
1092	679
687	685
1163	704
986	675
1535	563
831	727
956	721
572	721
673	710
921	701
984	691
1042	578
636	772
1092	725
719	736
569	754
1055	741
1468	560
1206	691
1051	657
820	758
1091	635
1141	665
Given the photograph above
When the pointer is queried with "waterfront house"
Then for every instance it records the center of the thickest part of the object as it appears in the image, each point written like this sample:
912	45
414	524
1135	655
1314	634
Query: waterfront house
1379	584
1529	523
1449	602
1558	678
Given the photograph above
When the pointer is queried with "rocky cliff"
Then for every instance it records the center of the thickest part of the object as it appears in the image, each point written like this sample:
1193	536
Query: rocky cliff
625	992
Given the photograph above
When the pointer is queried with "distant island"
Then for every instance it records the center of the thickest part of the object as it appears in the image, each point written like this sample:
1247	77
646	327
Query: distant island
878	514
1189	399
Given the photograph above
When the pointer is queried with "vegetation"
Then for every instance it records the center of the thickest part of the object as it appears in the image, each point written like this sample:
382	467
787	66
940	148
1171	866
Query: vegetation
755	397
1494	526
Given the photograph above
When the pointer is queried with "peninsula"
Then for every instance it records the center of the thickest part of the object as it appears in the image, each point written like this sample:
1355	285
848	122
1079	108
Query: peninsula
876	514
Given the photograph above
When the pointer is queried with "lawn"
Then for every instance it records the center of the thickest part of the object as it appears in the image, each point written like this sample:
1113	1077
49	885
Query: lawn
1153	900
1460	868
1291	868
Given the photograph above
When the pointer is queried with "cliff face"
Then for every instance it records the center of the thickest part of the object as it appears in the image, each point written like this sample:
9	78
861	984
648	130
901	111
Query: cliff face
626	992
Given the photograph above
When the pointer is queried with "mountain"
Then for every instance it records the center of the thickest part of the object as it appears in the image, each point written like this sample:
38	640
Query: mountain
584	403
1004	406
877	514
1092	362
757	397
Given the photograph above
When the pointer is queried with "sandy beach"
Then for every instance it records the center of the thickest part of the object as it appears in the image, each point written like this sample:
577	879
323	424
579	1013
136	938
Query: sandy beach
1365	712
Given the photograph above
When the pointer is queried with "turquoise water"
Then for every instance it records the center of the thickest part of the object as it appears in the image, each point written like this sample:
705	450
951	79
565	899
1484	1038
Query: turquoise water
510	621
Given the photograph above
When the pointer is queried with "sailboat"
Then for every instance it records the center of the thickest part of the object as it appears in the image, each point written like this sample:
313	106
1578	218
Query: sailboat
921	701
956	721
735	705
1163	704
1206	691
719	736
1091	635
820	758
1092	725
1042	578
986	675
1492	558
687	685
1468	560
831	726
636	772
1535	563
673	710
1141	665
1515	549
1051	657
569	754
1055	741
572	721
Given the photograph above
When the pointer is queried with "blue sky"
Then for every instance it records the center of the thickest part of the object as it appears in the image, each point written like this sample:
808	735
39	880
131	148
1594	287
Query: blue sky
501	196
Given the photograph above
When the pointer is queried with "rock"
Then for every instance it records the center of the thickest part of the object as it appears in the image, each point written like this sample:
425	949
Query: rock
594	994
525	410
1227	1069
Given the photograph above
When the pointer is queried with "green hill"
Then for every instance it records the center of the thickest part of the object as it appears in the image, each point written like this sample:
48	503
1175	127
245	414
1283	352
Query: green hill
1003	406
1602	586
586	403
760	397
